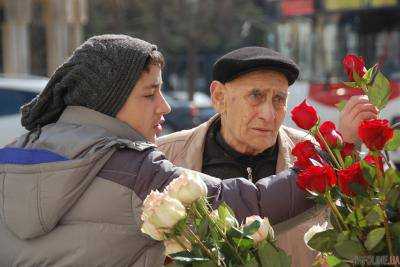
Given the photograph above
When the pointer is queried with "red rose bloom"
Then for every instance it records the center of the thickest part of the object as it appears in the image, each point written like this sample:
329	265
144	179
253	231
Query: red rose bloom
350	175
347	150
304	151
353	63
371	161
316	178
375	133
331	136
304	115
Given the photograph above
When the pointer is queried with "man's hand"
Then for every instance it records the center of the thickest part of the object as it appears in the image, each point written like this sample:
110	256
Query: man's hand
357	109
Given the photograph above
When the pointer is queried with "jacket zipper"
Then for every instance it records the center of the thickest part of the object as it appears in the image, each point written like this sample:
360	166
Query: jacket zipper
249	173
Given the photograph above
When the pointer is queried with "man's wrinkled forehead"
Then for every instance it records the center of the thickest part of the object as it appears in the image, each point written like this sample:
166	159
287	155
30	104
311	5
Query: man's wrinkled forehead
261	79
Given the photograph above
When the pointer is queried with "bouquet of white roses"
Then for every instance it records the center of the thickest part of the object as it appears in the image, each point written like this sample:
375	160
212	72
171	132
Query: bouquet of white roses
196	235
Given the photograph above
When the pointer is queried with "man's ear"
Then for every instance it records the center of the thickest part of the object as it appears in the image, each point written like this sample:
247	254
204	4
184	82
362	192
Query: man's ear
217	90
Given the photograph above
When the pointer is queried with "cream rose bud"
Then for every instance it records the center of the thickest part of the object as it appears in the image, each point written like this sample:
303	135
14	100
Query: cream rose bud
150	230
264	231
312	231
187	188
171	246
162	211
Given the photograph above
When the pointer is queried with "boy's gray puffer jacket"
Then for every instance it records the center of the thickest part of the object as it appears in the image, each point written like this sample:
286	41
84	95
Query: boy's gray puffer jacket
72	195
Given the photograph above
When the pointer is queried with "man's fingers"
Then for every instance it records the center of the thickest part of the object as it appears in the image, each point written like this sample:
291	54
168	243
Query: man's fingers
353	101
365	115
362	107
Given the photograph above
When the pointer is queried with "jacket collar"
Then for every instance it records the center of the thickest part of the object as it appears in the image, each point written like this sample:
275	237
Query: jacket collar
85	116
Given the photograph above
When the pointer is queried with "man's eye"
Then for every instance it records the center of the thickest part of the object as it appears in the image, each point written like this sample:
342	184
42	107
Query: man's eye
255	95
280	99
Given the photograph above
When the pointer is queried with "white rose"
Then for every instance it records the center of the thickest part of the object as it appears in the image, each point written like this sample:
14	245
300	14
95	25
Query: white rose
264	231
312	231
187	188
153	232
171	246
162	211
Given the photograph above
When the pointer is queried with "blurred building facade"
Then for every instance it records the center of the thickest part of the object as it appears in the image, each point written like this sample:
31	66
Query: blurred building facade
319	33
28	25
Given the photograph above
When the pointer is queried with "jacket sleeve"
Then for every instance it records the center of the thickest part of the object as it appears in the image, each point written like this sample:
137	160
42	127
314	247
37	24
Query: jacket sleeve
276	197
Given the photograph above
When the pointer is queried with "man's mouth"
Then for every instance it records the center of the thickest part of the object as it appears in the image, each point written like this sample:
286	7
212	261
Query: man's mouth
262	130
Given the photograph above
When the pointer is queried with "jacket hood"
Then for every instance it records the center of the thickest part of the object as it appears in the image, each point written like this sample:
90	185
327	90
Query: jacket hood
41	180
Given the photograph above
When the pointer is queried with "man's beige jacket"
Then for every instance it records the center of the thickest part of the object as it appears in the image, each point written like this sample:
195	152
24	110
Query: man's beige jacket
185	148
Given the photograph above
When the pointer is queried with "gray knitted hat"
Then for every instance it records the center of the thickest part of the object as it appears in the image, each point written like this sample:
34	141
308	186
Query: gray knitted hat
99	75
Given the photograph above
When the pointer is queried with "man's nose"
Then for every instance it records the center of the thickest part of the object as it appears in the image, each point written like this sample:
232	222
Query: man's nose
267	111
163	106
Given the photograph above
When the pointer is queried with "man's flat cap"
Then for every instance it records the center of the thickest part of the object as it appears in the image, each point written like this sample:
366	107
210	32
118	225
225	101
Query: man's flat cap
247	59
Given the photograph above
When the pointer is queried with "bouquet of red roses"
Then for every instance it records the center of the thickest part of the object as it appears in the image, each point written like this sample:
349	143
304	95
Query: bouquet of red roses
361	192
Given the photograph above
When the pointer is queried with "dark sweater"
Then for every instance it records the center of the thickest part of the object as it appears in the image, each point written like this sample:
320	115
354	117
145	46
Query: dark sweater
220	160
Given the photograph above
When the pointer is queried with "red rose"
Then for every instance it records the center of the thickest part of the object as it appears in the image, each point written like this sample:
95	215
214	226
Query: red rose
304	115
371	161
316	178
353	63
375	133
351	175
347	150
331	136
304	151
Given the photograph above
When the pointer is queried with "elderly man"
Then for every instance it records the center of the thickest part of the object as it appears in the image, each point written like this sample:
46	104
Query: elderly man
247	139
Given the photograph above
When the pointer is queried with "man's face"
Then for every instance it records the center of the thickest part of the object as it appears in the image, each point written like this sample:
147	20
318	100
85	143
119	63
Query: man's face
145	106
252	109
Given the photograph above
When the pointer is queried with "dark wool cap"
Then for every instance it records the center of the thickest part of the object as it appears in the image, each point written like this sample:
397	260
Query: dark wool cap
99	75
247	59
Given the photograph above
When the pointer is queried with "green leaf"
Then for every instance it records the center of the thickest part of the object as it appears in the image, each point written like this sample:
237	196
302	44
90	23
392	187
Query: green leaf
324	241
391	177
356	218
286	260
251	228
243	243
374	237
351	84
357	78
227	216
179	227
343	236
369	171
340	106
252	263
379	91
348	161
269	256
368	76
336	262
358	189
202	228
375	216
348	249
394	143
